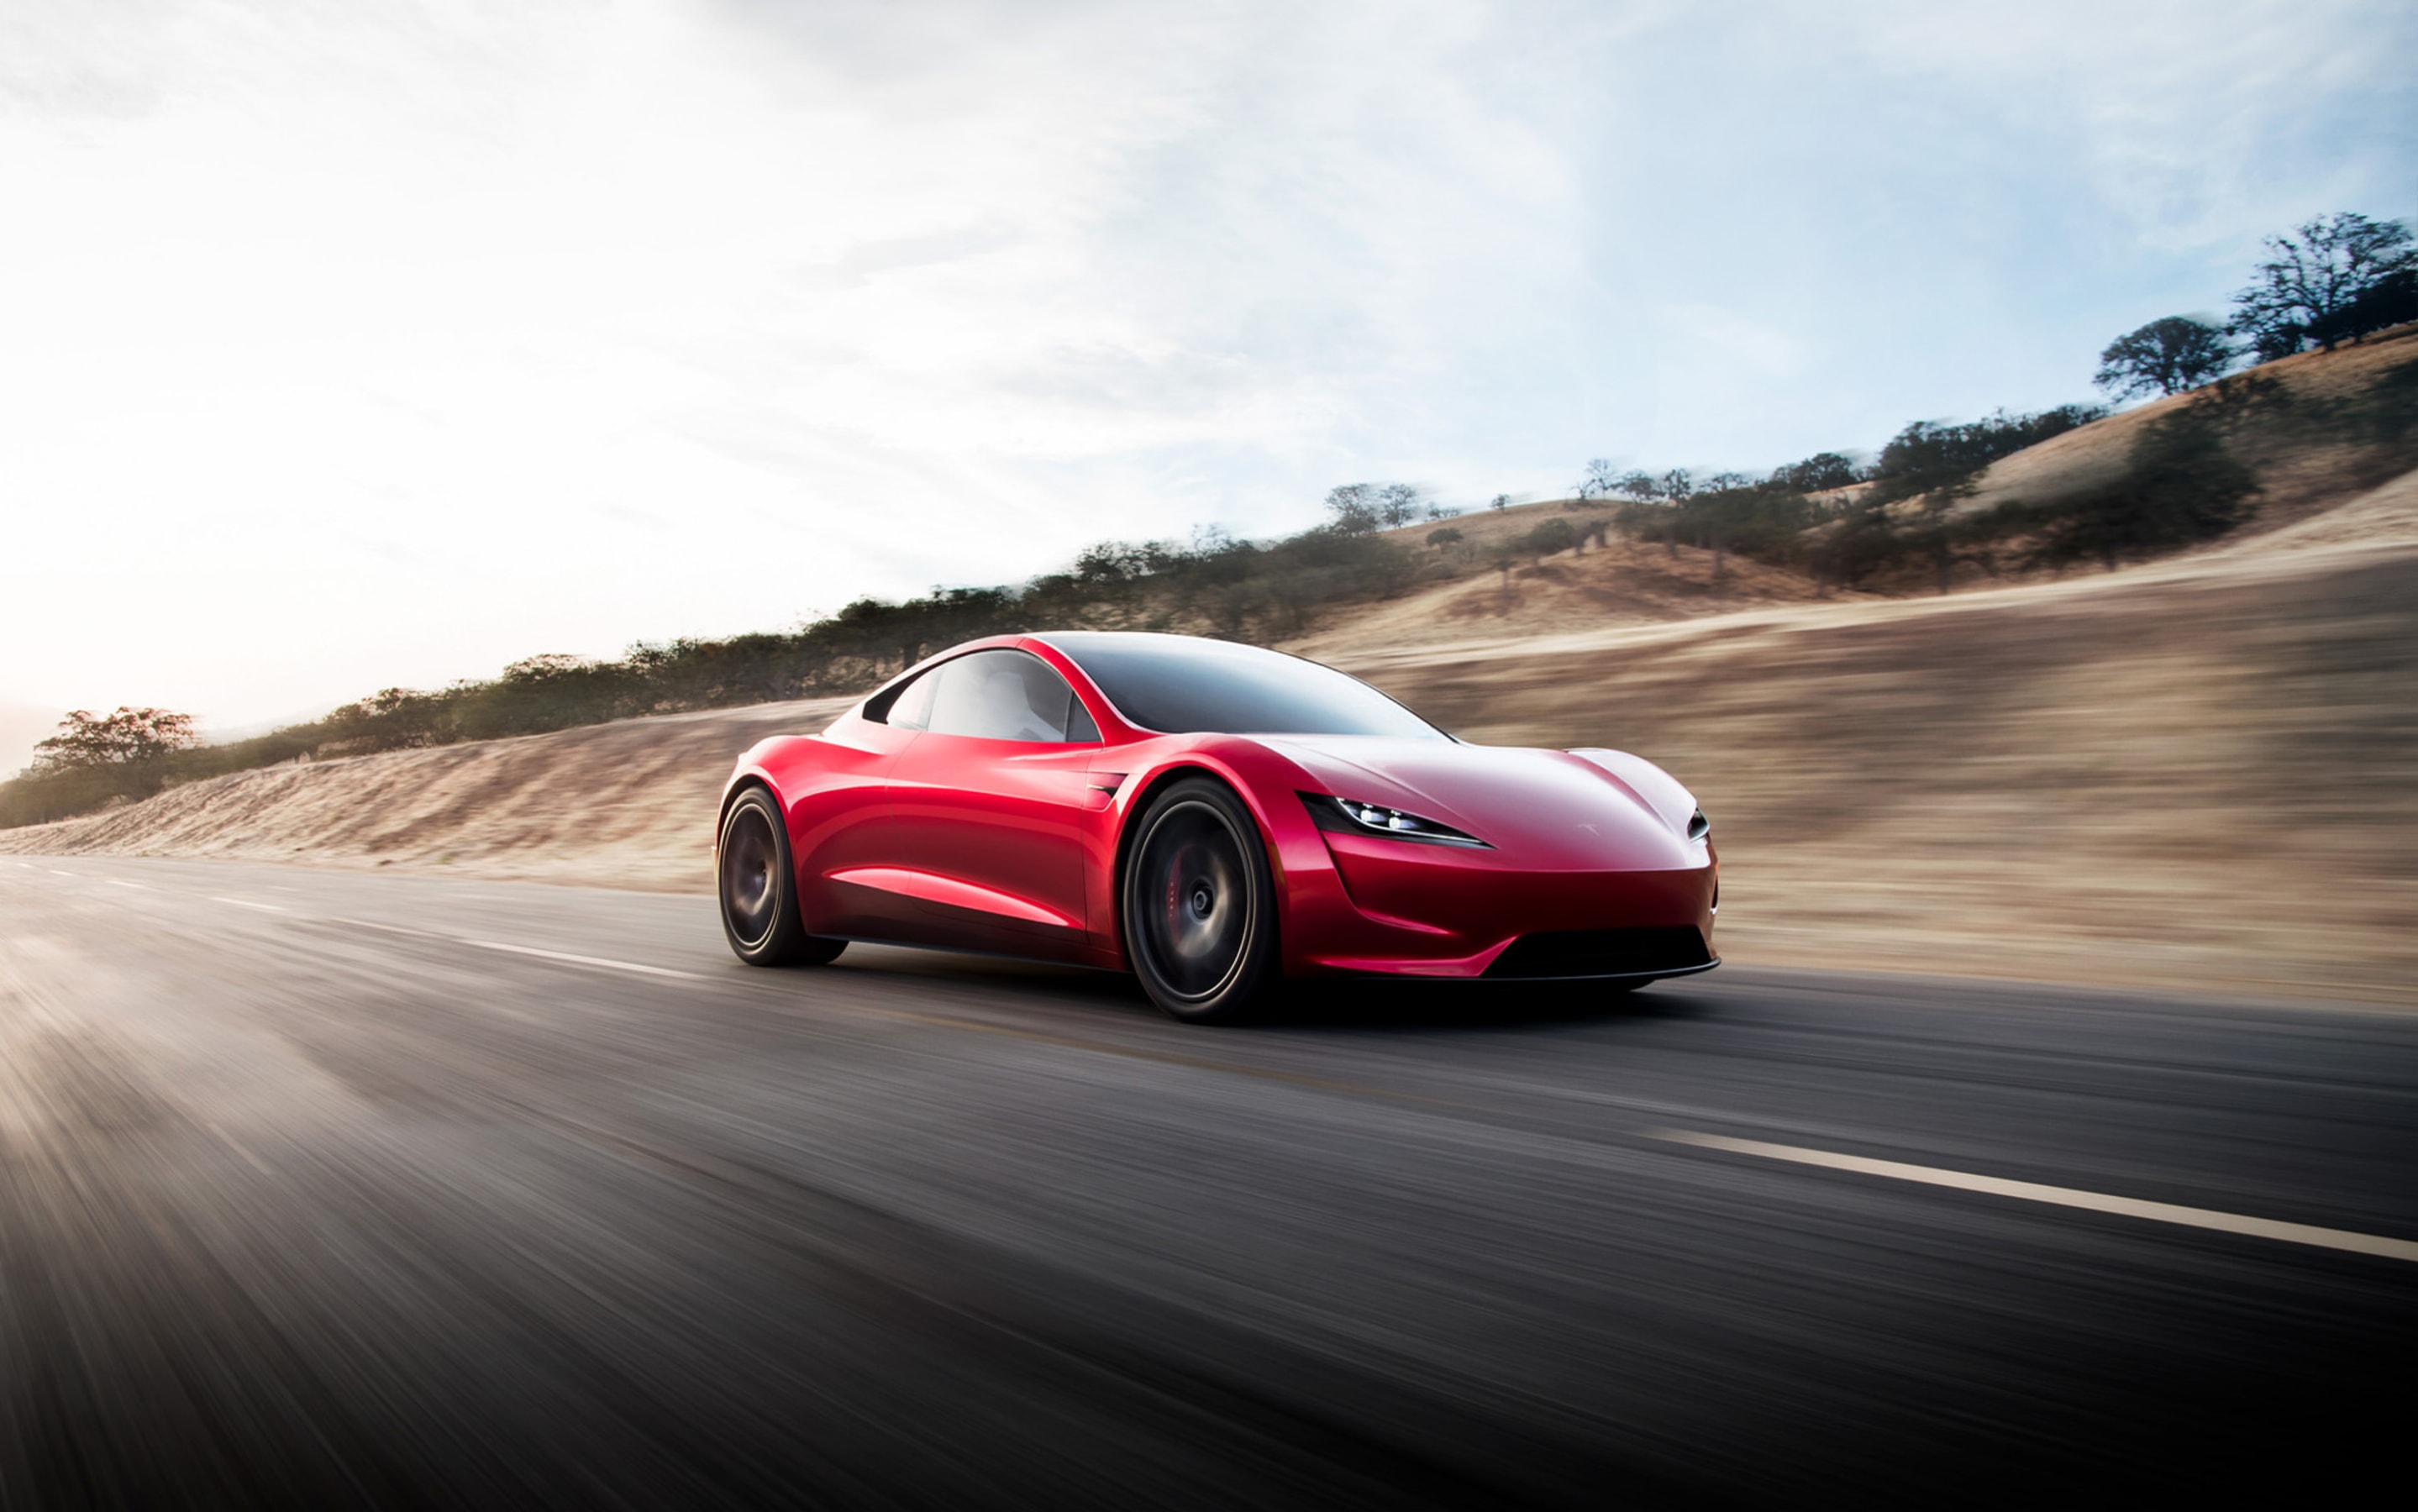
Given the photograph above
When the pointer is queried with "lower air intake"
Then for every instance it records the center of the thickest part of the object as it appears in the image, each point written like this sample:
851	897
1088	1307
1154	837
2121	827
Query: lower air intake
1603	952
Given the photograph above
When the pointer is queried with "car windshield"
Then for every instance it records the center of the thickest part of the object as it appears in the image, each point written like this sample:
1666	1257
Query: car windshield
1177	684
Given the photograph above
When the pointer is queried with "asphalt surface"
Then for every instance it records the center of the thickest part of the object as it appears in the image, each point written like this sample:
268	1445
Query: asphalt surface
325	1188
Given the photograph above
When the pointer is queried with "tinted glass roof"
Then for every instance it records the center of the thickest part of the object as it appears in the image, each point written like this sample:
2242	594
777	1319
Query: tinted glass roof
1180	685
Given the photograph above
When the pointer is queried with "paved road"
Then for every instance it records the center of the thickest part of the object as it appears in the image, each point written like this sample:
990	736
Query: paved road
324	1187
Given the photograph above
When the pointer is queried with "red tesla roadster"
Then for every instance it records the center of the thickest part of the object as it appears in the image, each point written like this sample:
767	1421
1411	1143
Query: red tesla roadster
1213	817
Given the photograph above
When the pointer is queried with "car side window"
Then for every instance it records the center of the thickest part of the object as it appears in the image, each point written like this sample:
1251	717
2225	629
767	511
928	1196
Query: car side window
911	707
1005	695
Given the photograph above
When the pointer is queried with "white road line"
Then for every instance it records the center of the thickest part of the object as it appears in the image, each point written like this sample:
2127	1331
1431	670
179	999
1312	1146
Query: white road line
2064	1197
247	903
56	872
121	882
588	960
598	961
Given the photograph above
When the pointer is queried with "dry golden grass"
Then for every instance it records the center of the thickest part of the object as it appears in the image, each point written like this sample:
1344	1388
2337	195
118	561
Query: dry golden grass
627	805
2306	449
1623	582
2195	773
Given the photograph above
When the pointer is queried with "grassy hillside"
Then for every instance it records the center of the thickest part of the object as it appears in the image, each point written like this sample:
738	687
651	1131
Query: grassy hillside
628	804
2309	432
2194	773
2316	429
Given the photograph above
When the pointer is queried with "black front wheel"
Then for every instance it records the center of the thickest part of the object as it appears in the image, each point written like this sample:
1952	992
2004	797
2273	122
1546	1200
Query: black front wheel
758	888
1199	904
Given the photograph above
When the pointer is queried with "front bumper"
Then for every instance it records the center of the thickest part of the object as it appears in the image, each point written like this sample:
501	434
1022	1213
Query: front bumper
1383	905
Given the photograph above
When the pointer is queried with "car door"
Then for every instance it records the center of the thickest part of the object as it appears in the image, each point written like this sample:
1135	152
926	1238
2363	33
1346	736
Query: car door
985	807
841	825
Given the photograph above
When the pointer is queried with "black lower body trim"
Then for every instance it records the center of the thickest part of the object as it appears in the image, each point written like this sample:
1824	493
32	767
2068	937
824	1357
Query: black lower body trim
1588	953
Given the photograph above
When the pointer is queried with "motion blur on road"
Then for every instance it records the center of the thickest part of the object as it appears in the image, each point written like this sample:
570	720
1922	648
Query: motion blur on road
327	1187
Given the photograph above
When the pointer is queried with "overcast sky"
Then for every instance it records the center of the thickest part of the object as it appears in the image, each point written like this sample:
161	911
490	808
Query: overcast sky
385	343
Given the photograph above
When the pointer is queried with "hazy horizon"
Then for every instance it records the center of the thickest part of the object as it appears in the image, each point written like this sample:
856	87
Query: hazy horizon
388	345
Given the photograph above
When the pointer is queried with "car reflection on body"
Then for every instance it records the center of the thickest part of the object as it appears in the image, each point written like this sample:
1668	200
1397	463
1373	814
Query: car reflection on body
1214	818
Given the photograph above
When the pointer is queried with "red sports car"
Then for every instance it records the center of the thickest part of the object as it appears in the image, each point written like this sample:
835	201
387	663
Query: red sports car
1213	817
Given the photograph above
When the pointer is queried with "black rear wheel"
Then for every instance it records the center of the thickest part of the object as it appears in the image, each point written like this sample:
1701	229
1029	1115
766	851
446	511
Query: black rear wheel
758	888
1199	904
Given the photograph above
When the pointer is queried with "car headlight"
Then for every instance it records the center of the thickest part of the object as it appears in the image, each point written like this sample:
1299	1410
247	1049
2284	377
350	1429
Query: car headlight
1699	827
1349	816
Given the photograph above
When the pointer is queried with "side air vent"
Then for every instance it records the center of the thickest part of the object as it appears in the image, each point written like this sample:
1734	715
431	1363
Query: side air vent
1603	953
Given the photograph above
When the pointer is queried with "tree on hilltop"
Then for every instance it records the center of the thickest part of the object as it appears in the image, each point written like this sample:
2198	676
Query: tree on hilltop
1108	563
2391	300
2314	278
1643	490
1726	493
1398	505
1353	508
129	738
396	719
94	759
1819	473
1675	488
2165	356
1932	454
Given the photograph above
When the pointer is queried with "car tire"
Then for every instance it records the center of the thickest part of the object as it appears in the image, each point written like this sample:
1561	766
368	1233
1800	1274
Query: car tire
756	886
1198	904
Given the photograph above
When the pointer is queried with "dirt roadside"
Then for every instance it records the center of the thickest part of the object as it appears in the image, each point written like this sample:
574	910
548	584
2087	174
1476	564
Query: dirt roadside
627	805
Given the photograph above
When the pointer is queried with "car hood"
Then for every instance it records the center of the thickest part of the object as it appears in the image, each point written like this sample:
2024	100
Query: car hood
1558	810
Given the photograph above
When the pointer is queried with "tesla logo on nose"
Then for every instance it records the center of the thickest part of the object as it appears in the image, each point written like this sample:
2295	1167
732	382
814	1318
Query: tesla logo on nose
1590	829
